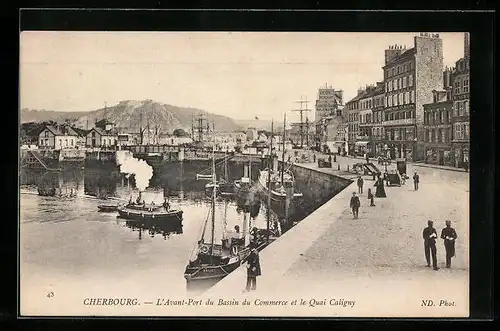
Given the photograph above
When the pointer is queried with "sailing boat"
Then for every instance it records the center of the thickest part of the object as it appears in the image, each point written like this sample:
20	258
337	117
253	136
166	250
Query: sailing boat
222	186
214	259
277	184
225	187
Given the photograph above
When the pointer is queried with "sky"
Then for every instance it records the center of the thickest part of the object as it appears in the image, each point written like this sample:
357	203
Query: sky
242	75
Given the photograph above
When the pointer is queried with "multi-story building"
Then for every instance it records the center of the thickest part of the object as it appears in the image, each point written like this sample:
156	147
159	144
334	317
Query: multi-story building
352	109
460	81
410	76
377	127
438	129
330	132
328	102
364	143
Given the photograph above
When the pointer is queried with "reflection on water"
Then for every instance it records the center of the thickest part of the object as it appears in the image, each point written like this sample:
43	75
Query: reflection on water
65	236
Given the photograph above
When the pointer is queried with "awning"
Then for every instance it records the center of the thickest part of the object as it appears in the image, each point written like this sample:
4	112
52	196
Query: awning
362	143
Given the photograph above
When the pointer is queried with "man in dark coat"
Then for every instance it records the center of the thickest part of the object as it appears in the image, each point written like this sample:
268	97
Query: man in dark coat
355	204
360	185
253	269
430	236
416	180
449	235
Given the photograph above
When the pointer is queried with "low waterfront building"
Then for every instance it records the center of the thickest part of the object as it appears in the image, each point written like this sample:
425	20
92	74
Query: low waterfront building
57	138
438	129
98	137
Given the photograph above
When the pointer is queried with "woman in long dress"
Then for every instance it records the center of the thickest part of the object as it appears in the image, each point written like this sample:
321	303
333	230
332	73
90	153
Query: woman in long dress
380	191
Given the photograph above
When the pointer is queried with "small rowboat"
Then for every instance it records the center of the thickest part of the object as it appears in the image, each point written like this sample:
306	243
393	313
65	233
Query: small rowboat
139	212
107	208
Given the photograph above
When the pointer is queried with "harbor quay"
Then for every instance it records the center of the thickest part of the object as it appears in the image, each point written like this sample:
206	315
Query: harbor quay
372	265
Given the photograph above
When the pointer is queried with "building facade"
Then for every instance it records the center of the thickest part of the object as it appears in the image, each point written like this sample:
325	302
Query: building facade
410	76
328	102
352	126
57	138
377	127
460	81
438	130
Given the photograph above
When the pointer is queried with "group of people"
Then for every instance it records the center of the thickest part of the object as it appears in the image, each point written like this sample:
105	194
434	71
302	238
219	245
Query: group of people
448	234
140	202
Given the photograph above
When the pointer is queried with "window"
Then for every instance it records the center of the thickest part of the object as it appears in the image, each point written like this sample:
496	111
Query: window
412	96
411	65
400	98
41	142
427	135
443	136
442	117
466	107
93	134
395	100
46	134
394	84
66	142
404	81
410	80
72	142
46	142
438	136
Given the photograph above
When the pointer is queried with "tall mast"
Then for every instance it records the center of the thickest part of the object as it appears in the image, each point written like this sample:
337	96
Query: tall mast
301	124
225	167
213	197
283	152
271	159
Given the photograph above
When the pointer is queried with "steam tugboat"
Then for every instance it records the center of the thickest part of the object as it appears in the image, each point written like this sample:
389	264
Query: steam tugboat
140	211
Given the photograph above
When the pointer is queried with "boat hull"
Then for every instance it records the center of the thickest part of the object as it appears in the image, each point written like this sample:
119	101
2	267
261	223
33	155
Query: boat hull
107	208
138	215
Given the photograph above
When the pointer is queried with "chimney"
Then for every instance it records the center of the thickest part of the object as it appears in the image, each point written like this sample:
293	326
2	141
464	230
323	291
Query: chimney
446	78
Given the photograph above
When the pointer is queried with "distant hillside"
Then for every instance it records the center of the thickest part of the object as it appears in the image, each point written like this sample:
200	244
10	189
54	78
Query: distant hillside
35	115
131	114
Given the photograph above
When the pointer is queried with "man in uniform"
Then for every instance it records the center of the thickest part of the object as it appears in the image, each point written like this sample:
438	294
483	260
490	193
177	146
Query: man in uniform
355	204
416	180
430	236
360	185
449	235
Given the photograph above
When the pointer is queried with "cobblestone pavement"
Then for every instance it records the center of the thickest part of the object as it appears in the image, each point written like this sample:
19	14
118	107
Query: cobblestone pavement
386	240
376	260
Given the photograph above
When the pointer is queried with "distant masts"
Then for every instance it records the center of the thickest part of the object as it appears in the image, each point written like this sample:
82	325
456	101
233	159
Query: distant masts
302	123
199	126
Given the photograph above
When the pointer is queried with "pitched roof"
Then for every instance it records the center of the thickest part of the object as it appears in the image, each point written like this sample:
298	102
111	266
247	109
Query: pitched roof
53	129
103	132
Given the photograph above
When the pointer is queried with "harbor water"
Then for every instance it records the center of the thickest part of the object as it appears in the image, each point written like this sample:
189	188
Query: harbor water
65	242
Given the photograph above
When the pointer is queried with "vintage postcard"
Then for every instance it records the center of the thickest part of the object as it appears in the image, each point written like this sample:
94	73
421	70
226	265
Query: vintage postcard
244	174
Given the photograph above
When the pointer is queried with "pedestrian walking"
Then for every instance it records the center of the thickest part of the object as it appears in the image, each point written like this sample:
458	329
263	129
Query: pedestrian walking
355	204
370	197
430	236
360	185
380	190
416	180
253	269
334	158
330	159
314	158
449	235
403	178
